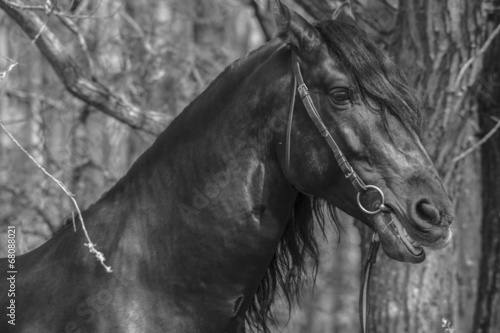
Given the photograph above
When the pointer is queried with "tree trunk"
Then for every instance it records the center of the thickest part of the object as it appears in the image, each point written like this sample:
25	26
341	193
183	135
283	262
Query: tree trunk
432	41
487	316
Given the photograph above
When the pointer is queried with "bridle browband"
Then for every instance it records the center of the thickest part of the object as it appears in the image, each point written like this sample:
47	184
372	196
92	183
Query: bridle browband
348	171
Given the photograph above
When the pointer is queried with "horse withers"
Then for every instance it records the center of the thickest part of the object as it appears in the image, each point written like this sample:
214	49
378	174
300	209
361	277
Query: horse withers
218	216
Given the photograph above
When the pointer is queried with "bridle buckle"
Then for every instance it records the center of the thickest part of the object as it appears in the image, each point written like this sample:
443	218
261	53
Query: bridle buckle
303	91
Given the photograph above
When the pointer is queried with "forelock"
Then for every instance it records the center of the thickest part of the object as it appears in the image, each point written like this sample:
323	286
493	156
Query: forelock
381	83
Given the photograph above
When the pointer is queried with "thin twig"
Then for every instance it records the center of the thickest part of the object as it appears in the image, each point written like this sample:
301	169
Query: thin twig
25	7
50	10
16	121
18	193
471	60
41	30
262	19
73	220
82	85
479	143
27	97
91	14
13	64
47	8
139	31
90	245
71	25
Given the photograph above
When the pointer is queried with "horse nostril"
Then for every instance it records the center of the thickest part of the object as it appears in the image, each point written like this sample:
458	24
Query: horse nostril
427	212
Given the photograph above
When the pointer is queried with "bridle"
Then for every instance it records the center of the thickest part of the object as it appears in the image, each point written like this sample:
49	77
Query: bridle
349	173
377	205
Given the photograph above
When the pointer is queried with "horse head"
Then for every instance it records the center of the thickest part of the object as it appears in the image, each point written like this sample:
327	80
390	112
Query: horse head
375	119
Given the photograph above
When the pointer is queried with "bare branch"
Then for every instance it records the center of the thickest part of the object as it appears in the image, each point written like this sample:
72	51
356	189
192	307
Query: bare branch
476	56
49	9
264	19
81	84
318	9
26	97
479	143
139	31
71	25
9	68
28	202
90	245
25	7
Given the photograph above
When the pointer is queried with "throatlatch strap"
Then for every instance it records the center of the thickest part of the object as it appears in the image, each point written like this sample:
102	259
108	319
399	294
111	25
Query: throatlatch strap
344	165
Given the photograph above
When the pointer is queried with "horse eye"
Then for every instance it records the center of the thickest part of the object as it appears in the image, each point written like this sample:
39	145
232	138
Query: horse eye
341	95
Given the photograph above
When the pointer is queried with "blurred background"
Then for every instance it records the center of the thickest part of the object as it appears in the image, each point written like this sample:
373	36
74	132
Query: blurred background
111	74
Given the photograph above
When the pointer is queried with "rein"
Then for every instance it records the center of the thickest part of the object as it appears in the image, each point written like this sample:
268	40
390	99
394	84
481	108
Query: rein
371	258
361	188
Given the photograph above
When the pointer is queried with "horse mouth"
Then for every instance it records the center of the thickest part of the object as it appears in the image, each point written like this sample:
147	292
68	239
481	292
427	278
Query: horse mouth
396	241
412	245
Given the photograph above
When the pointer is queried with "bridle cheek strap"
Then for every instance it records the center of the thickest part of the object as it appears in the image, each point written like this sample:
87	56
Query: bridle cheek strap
344	165
349	173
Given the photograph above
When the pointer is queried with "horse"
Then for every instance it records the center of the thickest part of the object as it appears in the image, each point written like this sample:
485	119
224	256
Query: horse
218	217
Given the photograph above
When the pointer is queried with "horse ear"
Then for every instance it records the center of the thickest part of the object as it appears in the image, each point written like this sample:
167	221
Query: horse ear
344	12
294	29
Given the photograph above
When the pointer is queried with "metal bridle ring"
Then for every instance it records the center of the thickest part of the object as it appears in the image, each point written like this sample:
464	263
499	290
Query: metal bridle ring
379	209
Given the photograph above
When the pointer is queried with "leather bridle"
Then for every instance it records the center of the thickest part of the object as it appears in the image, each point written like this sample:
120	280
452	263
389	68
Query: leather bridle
361	188
349	173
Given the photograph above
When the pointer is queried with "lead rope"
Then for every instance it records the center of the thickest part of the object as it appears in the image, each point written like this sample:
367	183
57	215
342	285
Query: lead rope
363	296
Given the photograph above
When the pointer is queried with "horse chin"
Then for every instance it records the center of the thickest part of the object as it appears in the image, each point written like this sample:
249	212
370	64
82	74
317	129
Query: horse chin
395	241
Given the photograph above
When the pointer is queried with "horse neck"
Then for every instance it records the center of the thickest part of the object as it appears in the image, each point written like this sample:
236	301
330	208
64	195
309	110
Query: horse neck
212	175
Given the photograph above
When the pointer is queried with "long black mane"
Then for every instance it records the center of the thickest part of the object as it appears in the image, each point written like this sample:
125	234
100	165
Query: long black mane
383	86
385	89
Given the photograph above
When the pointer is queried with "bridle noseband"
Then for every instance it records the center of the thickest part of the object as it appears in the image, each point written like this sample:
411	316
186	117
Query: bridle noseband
349	173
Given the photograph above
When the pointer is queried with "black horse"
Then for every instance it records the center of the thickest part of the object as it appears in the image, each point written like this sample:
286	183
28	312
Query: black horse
217	216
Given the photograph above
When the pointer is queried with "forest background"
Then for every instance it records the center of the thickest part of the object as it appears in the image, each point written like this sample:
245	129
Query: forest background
86	85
